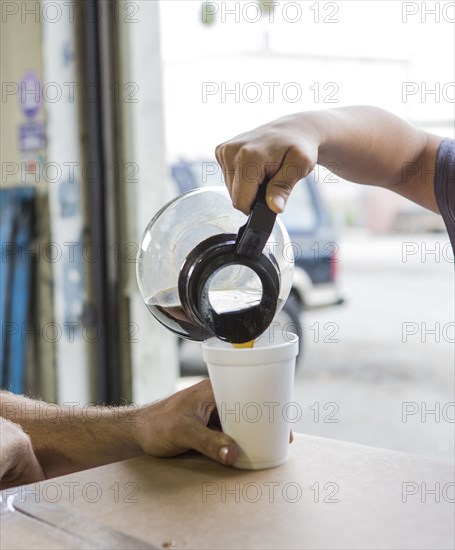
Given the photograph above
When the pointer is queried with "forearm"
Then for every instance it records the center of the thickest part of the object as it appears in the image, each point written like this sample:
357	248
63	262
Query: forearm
69	438
368	145
361	144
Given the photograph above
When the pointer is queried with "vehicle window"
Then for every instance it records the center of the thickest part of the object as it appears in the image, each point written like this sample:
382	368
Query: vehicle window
300	213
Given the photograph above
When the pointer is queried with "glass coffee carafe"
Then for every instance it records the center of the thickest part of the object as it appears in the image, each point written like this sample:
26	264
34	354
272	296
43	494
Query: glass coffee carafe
205	269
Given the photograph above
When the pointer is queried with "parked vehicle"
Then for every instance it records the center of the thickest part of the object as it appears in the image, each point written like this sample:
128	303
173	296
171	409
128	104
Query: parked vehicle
314	246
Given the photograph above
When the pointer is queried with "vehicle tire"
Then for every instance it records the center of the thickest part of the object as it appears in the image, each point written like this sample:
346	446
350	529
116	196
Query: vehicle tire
290	318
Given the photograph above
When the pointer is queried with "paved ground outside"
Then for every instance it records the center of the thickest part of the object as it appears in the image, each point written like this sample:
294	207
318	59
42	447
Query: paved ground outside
379	370
394	358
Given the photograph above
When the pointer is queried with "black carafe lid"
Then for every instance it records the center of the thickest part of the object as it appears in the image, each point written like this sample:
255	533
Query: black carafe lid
224	250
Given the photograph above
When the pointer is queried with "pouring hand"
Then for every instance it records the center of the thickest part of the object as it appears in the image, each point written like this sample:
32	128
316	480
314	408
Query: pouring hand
282	151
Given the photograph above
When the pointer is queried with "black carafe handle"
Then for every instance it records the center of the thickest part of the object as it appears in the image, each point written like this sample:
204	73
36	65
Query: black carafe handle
253	236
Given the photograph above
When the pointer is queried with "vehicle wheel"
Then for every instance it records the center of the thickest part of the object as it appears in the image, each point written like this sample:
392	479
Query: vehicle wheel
290	318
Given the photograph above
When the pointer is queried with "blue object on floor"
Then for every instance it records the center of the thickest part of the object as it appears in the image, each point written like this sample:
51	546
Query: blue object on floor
17	206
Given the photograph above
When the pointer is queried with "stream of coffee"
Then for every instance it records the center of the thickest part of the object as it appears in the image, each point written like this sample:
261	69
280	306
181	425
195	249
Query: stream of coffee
249	344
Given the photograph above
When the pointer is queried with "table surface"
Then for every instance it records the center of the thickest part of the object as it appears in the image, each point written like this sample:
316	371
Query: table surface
330	494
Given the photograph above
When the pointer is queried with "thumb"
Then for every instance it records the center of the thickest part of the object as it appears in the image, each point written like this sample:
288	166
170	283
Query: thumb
214	444
296	164
277	194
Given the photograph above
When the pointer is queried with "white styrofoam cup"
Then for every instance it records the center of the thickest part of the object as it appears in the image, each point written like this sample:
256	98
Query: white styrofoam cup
253	391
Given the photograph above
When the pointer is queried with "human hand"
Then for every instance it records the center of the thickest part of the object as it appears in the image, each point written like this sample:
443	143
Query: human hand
284	151
18	464
180	422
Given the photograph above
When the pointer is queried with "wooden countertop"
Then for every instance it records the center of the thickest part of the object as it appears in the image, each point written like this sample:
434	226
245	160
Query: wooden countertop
330	494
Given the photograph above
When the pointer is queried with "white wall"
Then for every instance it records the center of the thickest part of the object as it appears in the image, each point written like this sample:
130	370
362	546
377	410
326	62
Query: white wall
154	355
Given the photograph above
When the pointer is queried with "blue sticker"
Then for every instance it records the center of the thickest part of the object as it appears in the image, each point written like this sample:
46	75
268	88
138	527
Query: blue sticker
32	136
30	95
